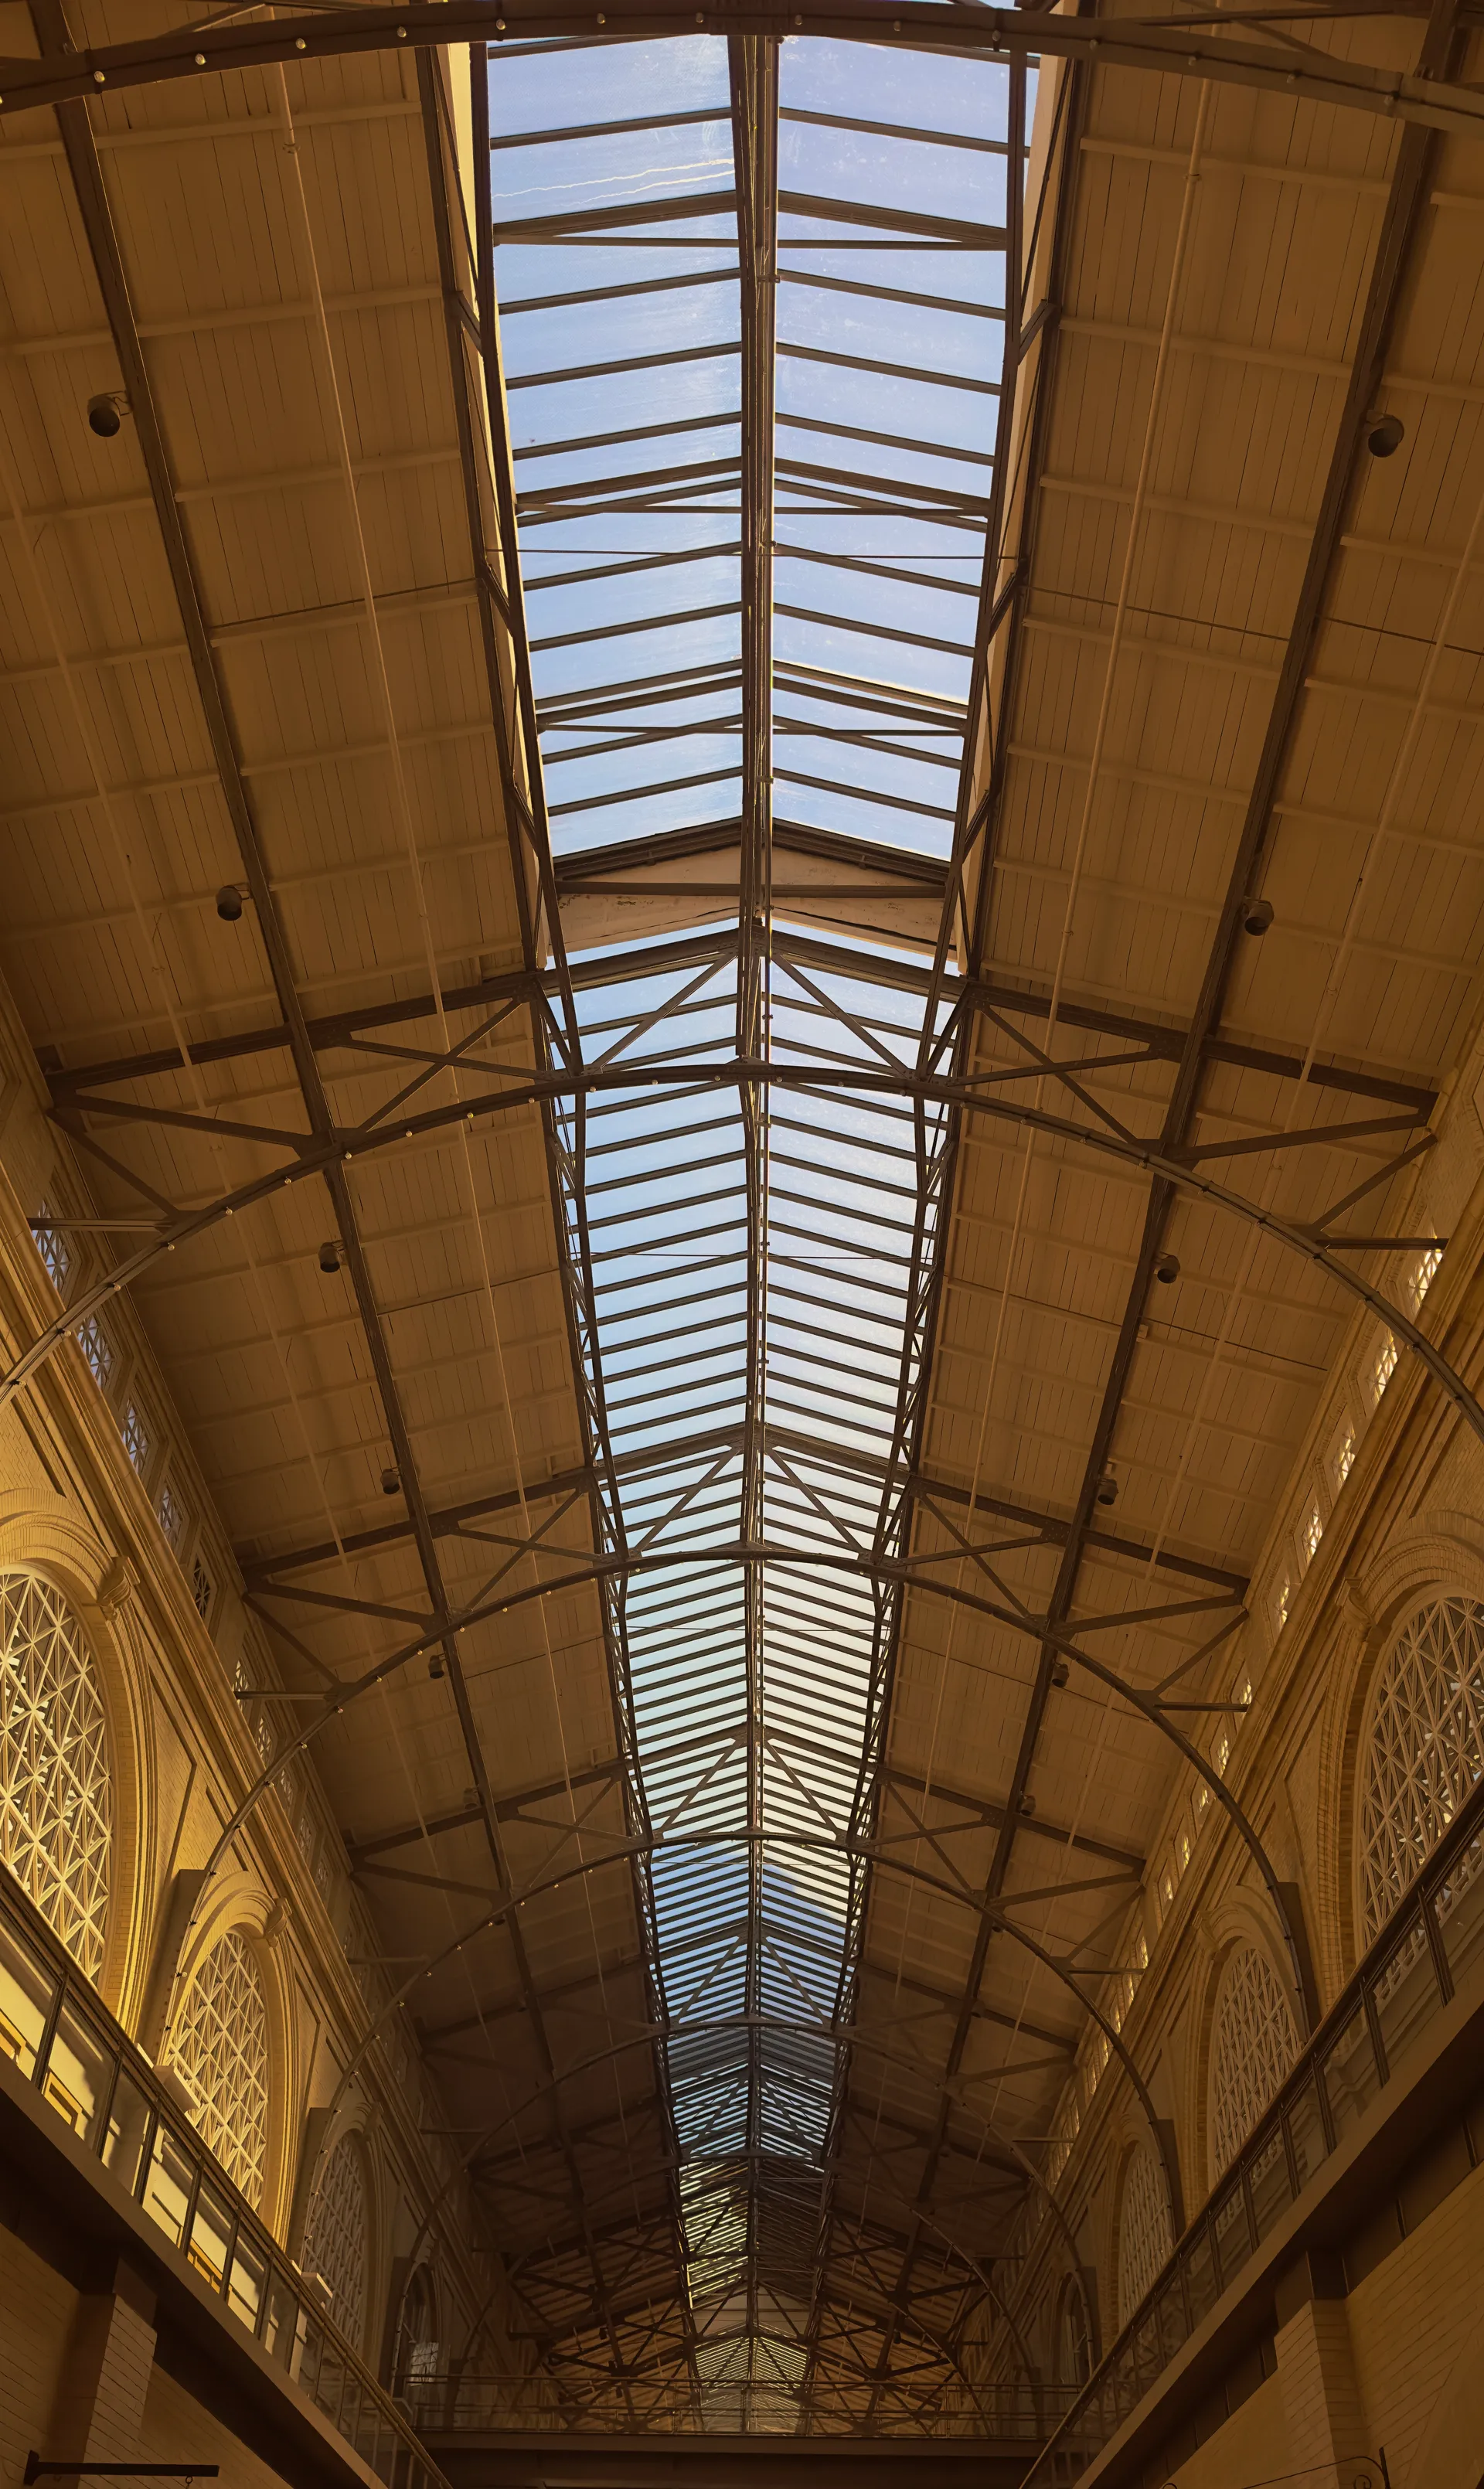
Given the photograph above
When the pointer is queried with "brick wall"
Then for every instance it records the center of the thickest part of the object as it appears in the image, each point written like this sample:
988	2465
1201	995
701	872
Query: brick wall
1410	2320
38	2311
1381	2368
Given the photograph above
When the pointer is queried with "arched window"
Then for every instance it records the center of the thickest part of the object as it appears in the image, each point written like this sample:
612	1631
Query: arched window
1424	1750
335	2237
1073	2335
1144	2241
1253	2044
219	2048
56	1814
418	2346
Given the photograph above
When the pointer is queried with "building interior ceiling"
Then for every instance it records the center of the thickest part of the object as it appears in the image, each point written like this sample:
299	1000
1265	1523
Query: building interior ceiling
740	829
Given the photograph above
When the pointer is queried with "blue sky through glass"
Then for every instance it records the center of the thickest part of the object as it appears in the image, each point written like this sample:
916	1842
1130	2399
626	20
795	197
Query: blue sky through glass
754	1687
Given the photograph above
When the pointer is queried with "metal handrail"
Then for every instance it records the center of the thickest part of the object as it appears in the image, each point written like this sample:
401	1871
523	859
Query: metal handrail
675	2406
1434	1937
56	2029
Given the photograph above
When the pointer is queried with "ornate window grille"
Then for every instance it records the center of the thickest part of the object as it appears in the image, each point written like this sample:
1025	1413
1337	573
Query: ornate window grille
417	2345
56	1253
219	2045
1384	1364
1425	1272
201	1589
171	1518
335	2236
1144	2241
56	1812
1425	1750
1311	1533
1253	2045
1344	1456
98	1348
136	1438
1064	2134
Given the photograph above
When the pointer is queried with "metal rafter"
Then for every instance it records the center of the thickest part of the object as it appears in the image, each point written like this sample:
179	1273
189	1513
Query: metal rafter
97	223
1405	200
1195	50
1429	102
1160	1041
266	1572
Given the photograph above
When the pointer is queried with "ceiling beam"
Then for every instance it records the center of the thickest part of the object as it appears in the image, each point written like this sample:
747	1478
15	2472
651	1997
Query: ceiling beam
1166	1041
1406	206
994	1816
508	1808
1195	51
97	218
261	1572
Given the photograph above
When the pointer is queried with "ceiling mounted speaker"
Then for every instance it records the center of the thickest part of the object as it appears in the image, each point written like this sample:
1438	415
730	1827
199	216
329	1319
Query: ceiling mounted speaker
106	413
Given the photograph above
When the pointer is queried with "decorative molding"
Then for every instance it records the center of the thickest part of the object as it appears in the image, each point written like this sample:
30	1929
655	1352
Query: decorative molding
117	1589
1353	1605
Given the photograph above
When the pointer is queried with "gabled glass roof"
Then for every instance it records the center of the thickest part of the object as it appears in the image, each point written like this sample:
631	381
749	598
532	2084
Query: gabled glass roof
756	1253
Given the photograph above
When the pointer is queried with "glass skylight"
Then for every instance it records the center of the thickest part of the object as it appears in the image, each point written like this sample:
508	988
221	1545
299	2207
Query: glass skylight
757	1223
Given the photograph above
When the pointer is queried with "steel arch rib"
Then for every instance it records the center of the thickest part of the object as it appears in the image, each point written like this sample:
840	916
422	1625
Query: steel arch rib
315	1156
1149	45
844	2037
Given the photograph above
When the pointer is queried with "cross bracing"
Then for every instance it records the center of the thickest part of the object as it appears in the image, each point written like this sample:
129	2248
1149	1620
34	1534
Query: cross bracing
753	1944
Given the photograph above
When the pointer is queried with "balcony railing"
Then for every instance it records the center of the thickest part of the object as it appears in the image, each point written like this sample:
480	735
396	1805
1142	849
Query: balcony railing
55	2028
1434	1941
670	2406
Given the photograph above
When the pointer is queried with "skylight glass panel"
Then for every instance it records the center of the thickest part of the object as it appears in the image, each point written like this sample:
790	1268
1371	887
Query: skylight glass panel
758	1219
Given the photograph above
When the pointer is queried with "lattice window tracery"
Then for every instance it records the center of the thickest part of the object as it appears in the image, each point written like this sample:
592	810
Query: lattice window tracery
56	1810
137	1437
201	1589
98	1348
219	2046
55	1251
1425	1751
418	2350
1253	2045
335	2236
1144	2241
